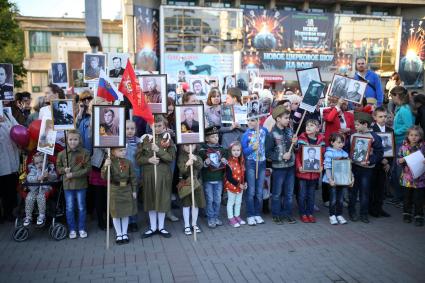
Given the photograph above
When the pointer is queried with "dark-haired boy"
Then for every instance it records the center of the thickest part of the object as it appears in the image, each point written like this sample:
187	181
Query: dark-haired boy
363	170
382	168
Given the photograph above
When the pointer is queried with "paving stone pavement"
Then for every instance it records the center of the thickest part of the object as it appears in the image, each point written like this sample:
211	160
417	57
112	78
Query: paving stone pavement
386	250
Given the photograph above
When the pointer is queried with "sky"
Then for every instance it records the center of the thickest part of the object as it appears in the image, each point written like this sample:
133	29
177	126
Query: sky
58	8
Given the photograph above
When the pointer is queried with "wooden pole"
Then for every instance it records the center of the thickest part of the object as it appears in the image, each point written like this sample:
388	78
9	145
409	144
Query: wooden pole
108	199
66	149
298	129
44	165
154	153
193	190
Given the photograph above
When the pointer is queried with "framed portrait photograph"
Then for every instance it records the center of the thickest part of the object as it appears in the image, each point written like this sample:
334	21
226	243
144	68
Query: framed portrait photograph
47	137
215	158
305	76
388	144
253	73
93	63
6	82
228	82
190	123
258	84
59	73
360	149
63	114
154	87
78	78
242	81
240	114
181	76
258	108
199	88
312	96
227	114
347	88
116	65
311	158
341	172
108	126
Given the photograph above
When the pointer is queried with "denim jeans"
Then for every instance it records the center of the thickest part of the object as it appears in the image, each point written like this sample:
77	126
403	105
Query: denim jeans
213	197
362	182
336	200
234	202
254	194
306	196
283	186
70	197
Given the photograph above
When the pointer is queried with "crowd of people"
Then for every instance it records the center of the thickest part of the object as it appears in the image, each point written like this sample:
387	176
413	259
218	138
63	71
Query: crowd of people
157	176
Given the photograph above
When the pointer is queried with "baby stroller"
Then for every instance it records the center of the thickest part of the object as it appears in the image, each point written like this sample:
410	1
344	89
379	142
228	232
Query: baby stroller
54	210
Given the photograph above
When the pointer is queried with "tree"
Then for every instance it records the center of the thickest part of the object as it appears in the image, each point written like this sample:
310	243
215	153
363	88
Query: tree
12	47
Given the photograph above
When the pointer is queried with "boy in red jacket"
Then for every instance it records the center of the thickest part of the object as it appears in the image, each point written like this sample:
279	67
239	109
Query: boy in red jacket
308	164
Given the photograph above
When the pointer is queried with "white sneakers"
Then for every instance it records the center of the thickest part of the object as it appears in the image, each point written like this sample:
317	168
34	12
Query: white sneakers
251	221
337	219
341	220
73	234
259	219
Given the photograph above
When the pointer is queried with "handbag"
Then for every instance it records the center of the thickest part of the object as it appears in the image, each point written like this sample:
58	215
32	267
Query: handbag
184	188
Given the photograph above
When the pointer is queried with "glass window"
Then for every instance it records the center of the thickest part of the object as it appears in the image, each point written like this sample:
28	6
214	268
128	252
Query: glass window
354	37
112	42
181	3
197	30
39	80
253	6
39	42
218	4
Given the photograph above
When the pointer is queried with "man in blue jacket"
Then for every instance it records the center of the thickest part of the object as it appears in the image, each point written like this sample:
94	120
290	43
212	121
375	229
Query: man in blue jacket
374	87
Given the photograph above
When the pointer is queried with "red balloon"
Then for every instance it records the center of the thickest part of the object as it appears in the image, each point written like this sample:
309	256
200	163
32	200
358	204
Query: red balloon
20	135
34	129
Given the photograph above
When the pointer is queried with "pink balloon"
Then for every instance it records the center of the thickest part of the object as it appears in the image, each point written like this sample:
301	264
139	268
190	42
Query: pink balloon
20	135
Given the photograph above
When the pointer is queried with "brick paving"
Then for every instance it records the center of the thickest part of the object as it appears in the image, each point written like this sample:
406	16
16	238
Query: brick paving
386	250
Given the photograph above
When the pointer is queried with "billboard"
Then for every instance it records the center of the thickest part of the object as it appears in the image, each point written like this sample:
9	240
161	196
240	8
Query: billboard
412	53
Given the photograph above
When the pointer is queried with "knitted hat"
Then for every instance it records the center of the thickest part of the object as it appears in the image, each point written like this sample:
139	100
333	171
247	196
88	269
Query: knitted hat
362	116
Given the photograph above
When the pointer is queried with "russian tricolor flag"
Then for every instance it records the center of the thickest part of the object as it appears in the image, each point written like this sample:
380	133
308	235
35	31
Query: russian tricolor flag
107	90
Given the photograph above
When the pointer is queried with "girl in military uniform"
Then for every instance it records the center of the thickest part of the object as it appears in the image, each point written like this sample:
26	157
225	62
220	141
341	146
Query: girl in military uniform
156	193
123	192
185	160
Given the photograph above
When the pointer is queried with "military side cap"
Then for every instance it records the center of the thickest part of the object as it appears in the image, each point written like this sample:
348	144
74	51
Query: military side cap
277	111
362	116
212	130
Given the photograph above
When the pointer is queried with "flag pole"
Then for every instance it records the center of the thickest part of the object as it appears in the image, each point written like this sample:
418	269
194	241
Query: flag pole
108	200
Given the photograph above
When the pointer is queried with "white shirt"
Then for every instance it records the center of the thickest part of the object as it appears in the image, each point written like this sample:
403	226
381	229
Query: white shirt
381	128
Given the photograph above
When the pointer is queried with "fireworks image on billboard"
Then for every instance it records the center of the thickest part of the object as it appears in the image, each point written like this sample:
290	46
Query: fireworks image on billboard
412	55
264	29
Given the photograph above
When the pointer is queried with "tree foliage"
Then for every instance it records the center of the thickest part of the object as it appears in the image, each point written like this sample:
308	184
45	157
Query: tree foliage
12	47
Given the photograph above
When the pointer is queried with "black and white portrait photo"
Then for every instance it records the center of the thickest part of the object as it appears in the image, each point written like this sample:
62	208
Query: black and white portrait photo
154	87
181	76
227	114
387	144
341	172
63	114
59	73
305	77
108	126
215	160
190	123
348	89
198	86
93	63
312	158
258	108
257	84
312	96
242	81
228	82
116	64
6	81
360	148
78	78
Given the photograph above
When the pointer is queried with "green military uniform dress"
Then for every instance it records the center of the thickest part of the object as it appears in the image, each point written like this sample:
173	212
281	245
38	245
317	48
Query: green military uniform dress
123	185
157	197
79	162
185	174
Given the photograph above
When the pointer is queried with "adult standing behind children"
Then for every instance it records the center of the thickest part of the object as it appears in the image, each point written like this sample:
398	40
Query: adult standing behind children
232	132
374	87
